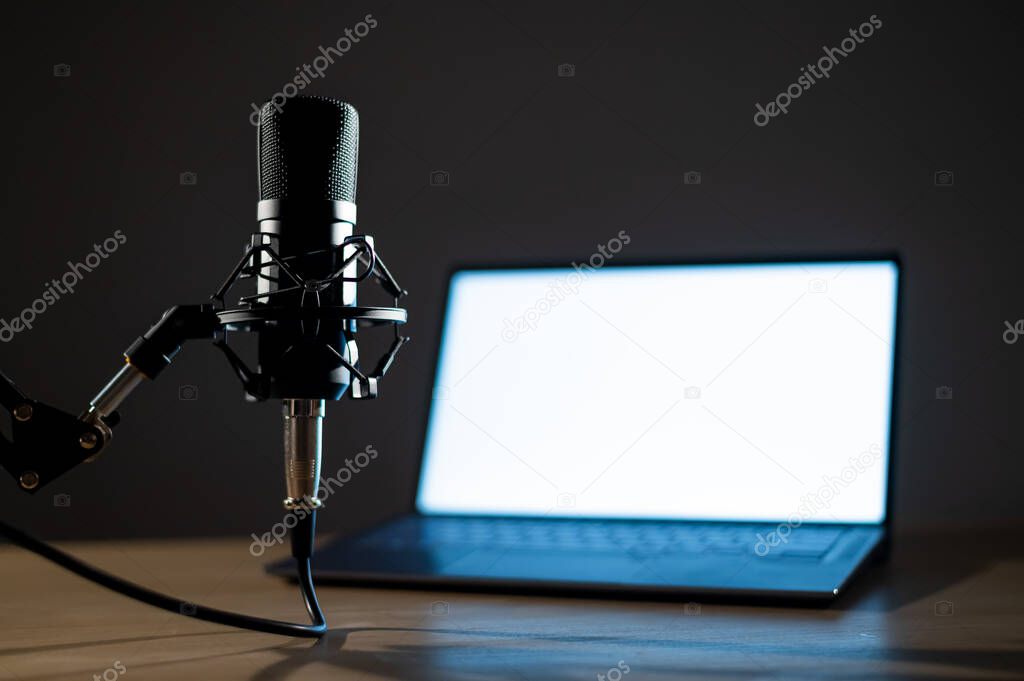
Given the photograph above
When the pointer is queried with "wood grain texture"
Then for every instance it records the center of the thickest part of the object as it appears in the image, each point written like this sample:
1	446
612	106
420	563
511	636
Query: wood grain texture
55	626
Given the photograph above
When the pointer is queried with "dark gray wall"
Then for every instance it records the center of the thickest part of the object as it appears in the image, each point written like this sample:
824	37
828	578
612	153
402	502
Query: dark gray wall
541	167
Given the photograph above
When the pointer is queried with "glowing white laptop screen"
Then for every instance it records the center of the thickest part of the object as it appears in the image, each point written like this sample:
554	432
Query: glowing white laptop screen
713	392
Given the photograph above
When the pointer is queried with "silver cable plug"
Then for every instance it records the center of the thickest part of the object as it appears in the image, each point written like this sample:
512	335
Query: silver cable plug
303	443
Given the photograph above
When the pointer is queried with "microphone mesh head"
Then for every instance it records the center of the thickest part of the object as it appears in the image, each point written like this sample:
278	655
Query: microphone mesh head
308	149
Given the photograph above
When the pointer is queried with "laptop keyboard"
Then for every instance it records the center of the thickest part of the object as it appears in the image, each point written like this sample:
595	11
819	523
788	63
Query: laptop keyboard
644	538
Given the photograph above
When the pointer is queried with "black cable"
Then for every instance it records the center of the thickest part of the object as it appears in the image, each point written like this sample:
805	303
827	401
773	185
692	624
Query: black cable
303	539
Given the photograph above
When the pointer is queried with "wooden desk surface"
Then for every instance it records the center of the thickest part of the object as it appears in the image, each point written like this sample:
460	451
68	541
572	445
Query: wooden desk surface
894	624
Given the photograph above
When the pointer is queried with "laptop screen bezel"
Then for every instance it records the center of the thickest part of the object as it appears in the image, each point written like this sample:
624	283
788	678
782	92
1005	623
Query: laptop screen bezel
891	257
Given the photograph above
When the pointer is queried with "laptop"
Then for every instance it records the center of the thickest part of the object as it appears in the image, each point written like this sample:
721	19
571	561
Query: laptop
683	430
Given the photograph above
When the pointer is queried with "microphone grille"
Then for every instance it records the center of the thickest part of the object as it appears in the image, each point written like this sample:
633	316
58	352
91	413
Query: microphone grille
308	149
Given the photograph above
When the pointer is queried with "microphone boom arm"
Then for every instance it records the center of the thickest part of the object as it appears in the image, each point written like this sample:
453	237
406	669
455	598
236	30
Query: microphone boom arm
47	442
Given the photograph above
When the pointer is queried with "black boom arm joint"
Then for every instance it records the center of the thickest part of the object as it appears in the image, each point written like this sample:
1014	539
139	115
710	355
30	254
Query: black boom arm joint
47	442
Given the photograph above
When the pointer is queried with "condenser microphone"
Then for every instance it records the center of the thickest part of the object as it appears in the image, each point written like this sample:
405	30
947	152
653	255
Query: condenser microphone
308	151
308	163
306	262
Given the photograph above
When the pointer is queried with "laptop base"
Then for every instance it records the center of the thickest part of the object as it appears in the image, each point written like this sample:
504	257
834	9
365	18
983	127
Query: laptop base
646	559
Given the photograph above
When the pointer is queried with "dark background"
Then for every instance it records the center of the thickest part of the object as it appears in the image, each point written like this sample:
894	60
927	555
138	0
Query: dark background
541	167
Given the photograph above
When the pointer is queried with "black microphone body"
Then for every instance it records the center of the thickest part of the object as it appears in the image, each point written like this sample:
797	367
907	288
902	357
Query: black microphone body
308	156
